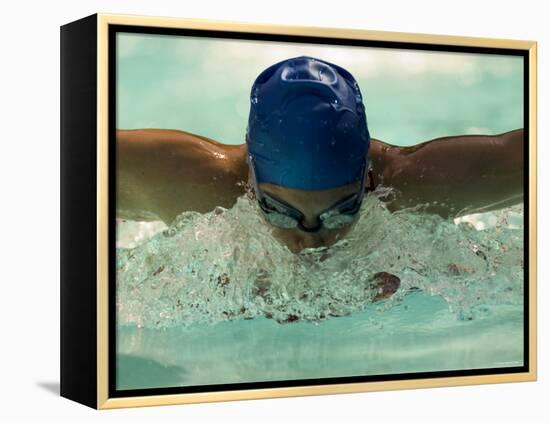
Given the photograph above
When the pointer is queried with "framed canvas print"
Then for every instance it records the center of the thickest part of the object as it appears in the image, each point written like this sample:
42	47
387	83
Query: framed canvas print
255	211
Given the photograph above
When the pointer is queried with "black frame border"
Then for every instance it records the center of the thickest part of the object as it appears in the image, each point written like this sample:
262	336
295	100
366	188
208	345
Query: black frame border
114	29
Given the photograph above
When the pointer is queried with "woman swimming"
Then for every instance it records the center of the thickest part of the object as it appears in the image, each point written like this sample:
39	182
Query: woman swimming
307	154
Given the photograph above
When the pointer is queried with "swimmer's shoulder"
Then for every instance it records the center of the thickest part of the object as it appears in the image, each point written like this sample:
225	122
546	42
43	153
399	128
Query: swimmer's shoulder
163	135
178	142
382	158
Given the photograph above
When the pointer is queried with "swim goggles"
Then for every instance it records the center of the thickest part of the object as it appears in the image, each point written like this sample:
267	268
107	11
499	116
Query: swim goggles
283	215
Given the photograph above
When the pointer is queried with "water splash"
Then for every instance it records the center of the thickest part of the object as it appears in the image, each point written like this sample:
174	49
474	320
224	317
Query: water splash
225	265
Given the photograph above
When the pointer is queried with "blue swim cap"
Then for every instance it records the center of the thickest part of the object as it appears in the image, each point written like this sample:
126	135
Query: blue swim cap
307	127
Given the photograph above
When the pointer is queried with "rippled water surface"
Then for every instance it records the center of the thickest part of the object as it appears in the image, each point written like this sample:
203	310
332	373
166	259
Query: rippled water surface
217	291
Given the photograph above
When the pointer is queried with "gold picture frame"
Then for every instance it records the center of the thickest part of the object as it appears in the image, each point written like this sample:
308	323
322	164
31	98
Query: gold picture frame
85	311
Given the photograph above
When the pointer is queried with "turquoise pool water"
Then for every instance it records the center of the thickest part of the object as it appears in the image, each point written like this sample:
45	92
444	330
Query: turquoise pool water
418	335
203	86
215	299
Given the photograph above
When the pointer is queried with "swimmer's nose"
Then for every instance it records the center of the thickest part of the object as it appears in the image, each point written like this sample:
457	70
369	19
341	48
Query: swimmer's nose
310	224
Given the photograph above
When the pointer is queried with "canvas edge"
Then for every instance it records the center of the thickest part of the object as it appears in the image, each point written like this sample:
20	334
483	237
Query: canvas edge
103	400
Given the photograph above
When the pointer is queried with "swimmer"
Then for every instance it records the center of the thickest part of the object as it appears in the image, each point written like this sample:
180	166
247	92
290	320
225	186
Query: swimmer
310	160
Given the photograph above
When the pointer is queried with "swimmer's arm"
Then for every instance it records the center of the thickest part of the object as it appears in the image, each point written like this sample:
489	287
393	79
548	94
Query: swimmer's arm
161	173
463	174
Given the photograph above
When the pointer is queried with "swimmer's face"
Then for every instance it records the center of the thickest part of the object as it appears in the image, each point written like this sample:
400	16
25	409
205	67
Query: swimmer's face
311	204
